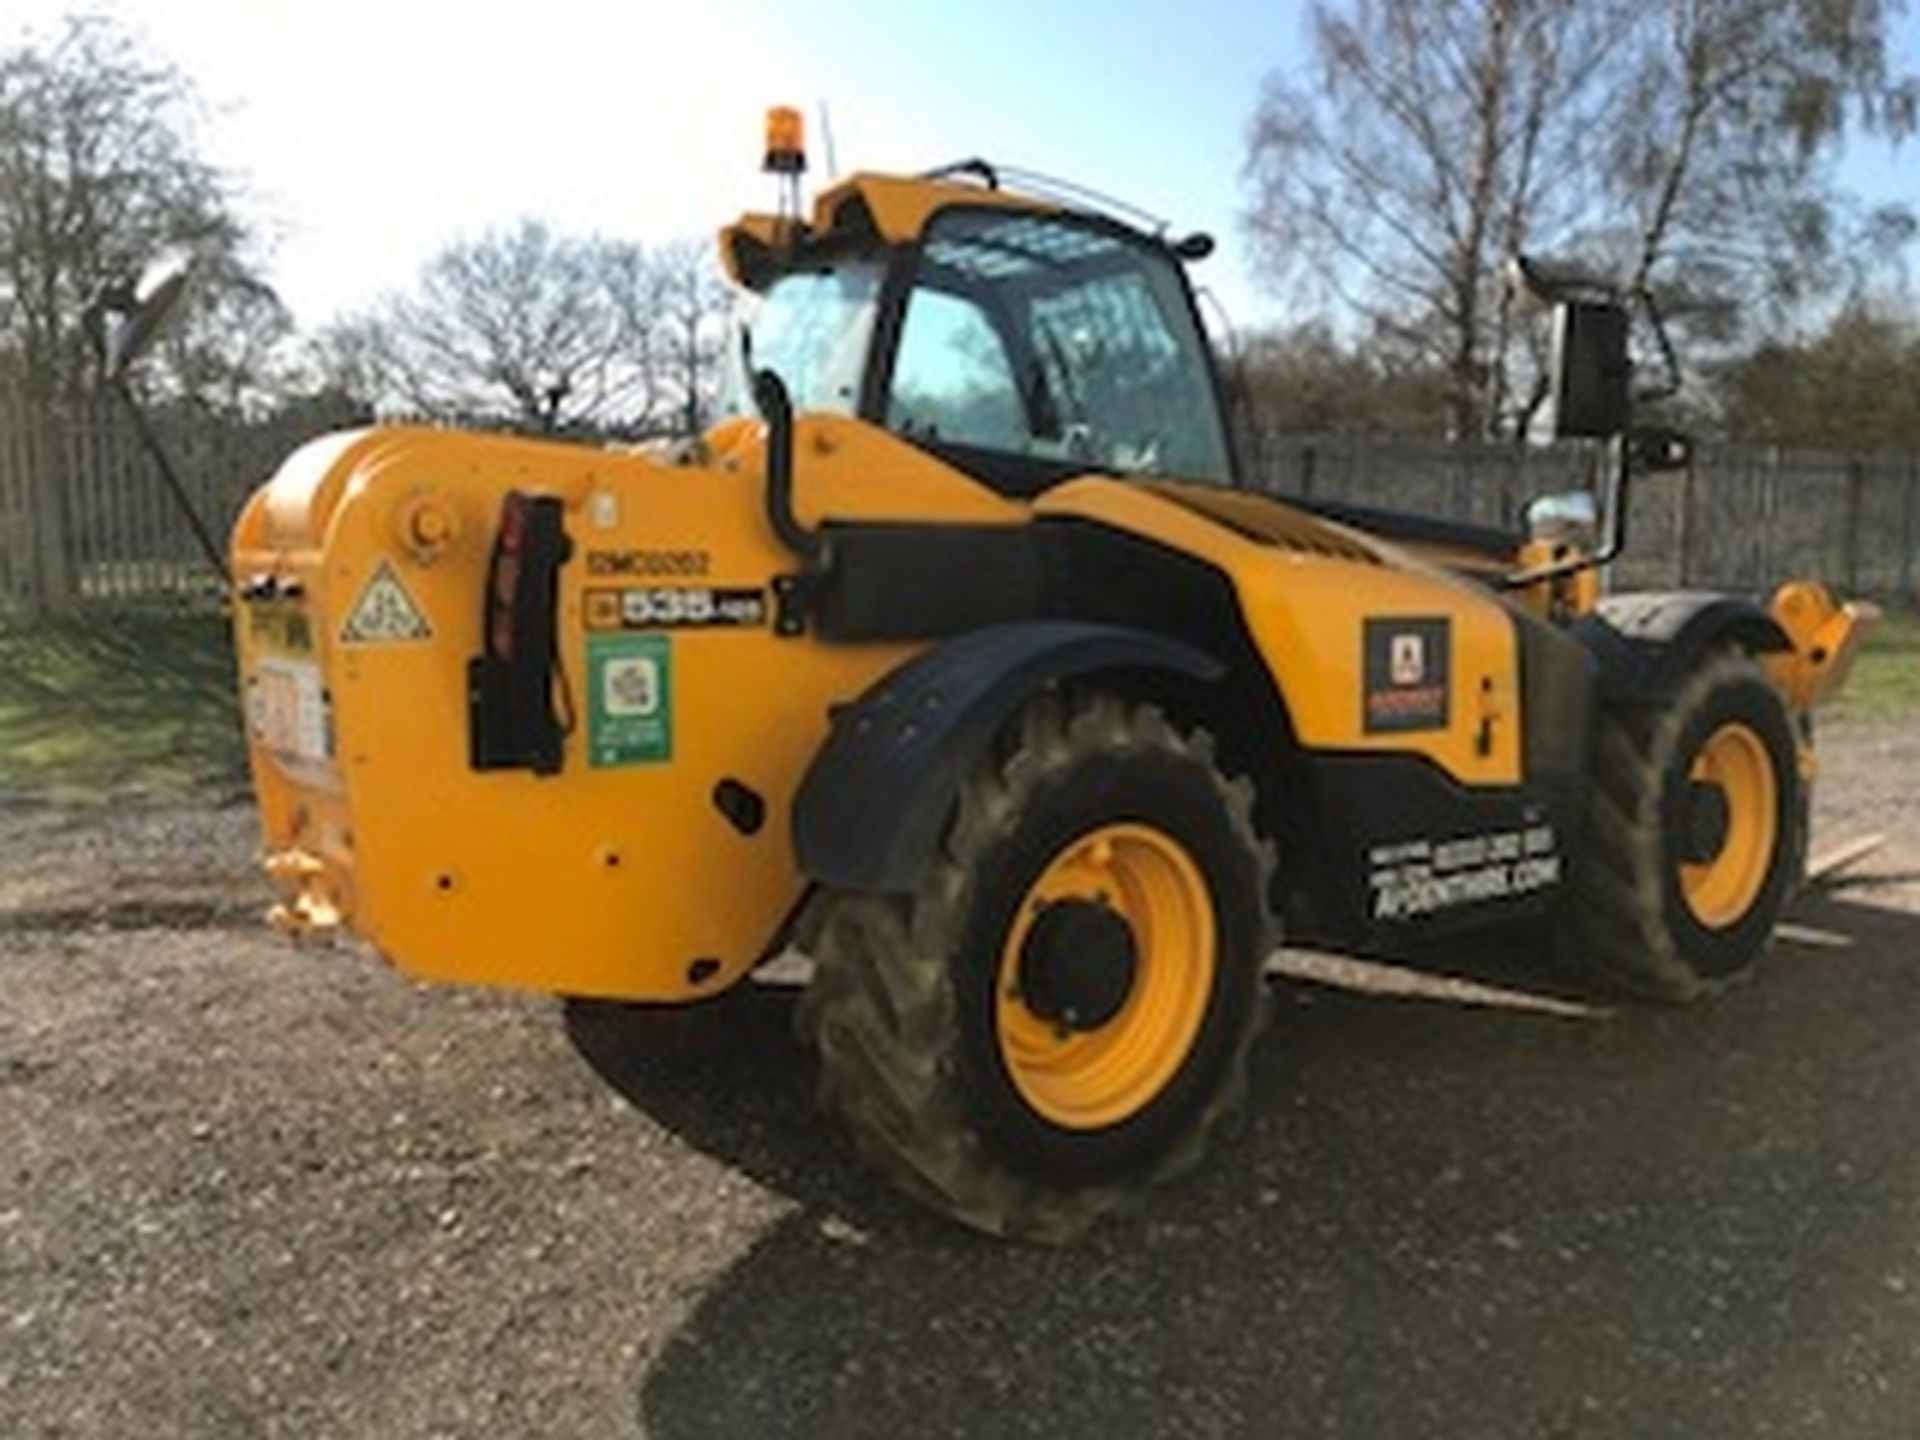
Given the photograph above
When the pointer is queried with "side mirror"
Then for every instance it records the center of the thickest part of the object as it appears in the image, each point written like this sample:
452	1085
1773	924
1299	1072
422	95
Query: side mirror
1569	517
145	309
1592	375
1657	448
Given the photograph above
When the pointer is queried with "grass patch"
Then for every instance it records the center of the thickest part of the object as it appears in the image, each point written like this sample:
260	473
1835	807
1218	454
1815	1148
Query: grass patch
1885	683
111	704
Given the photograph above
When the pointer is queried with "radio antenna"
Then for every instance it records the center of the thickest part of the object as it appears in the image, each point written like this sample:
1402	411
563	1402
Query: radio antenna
826	140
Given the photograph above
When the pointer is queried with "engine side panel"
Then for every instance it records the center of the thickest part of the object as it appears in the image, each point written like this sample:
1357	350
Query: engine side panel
1381	843
1369	656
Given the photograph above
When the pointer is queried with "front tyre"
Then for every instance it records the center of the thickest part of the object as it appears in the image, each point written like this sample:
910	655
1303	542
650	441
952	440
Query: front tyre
1695	835
1061	1012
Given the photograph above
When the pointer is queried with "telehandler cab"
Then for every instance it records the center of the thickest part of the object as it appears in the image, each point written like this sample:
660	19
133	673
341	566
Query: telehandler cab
958	656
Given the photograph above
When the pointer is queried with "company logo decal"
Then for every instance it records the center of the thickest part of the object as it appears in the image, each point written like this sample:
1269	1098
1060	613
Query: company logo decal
1406	669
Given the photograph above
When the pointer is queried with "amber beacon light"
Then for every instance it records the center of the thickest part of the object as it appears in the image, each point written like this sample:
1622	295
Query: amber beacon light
786	141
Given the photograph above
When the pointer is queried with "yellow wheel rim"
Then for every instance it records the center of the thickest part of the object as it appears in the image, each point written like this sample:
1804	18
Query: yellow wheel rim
1087	1079
1722	889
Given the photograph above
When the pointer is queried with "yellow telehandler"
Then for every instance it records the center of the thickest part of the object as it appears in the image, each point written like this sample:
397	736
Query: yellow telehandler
958	655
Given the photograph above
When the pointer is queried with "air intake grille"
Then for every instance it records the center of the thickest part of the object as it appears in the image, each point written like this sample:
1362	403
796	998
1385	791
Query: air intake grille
1270	521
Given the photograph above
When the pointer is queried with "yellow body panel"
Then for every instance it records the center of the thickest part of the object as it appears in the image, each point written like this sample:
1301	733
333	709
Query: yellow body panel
1559	598
596	881
1307	610
1826	635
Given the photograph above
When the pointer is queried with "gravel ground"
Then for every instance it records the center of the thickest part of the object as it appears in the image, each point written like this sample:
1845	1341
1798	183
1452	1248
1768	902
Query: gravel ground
248	1189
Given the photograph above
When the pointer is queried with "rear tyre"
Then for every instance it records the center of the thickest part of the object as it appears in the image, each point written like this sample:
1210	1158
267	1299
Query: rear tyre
1062	1012
1694	836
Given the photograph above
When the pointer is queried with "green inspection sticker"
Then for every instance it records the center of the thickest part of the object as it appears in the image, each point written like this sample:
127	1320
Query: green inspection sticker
630	699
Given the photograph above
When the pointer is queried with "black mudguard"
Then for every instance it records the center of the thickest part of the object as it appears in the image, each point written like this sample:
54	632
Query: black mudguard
1645	643
871	807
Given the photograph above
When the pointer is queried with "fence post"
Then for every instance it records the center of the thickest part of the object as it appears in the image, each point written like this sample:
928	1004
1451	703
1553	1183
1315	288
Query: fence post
1309	462
1908	523
18	536
1856	486
46	514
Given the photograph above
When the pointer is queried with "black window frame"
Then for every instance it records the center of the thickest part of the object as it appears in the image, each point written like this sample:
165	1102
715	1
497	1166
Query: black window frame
1021	475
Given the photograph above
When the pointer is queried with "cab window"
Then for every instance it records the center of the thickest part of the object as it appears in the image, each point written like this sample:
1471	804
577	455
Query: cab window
812	328
1056	342
953	376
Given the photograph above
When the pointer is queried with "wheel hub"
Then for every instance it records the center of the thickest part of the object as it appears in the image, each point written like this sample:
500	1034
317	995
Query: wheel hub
1728	828
1077	964
1708	816
1106	973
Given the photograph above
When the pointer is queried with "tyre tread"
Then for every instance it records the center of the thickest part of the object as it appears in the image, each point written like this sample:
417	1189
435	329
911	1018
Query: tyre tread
1615	928
884	1021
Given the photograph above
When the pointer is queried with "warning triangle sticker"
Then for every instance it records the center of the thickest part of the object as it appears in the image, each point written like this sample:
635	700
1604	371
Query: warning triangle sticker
385	613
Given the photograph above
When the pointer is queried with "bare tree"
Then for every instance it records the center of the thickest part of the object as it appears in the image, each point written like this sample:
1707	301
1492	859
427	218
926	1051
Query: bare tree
690	306
632	287
1438	134
1680	142
544	331
516	320
1728	109
1307	380
97	174
230	350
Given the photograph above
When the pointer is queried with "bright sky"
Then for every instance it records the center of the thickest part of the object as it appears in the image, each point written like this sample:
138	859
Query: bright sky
369	133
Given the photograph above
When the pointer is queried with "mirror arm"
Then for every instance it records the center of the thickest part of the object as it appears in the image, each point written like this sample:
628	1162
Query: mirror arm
150	442
1616	536
122	297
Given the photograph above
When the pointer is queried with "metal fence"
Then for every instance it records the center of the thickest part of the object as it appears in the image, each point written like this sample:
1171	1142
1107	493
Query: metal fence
1743	517
85	522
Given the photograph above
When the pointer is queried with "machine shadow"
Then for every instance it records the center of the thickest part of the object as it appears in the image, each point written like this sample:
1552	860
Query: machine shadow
1438	1220
730	1078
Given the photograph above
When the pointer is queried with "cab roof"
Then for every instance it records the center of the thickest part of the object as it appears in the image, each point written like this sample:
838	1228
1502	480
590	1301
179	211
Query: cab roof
893	209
